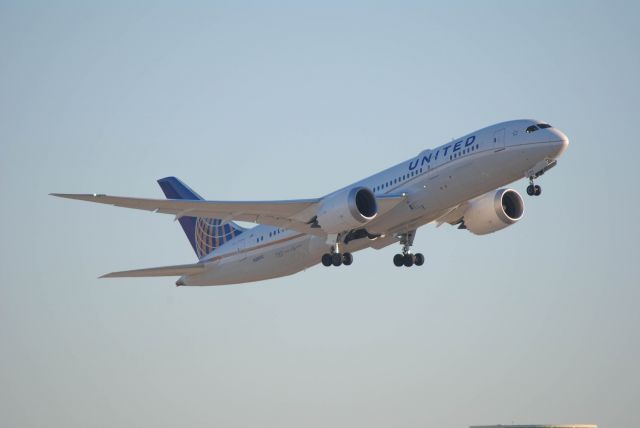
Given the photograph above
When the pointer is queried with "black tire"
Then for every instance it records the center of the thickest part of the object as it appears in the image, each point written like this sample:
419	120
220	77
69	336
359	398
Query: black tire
326	259
398	260
531	190
347	259
537	190
419	259
336	258
409	259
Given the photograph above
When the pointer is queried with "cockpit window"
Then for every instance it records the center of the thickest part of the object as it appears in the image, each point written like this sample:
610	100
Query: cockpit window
544	125
531	129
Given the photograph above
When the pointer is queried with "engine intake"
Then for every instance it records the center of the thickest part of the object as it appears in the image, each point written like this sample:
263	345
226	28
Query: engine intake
494	211
347	209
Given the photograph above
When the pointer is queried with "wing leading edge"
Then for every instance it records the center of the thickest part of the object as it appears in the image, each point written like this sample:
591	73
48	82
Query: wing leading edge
293	214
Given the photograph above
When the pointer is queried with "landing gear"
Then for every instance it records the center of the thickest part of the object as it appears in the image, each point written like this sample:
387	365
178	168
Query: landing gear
398	260
335	258
407	258
327	260
347	259
533	189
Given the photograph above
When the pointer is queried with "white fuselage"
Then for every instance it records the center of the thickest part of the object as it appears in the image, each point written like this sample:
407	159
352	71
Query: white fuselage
434	181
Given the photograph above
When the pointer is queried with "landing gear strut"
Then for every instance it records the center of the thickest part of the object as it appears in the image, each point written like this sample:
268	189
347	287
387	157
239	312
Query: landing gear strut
407	258
336	258
533	189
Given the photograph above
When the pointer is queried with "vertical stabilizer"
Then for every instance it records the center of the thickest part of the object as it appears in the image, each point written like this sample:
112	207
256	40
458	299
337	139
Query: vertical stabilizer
204	234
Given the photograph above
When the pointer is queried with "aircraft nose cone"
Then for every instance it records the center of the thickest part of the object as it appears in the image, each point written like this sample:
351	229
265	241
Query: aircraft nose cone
560	139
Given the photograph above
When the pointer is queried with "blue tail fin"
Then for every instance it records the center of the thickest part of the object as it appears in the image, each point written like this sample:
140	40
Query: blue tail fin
204	234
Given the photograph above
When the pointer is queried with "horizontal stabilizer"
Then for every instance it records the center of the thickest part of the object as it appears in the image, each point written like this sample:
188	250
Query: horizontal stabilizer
176	270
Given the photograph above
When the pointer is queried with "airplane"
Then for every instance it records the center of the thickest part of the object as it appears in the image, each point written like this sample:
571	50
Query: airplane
459	183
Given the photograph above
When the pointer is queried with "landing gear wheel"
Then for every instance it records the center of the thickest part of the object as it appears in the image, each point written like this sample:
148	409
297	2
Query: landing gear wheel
419	259
531	190
347	259
398	260
409	259
537	190
336	259
327	259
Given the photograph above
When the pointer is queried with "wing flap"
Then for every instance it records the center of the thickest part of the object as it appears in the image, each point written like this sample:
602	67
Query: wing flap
176	270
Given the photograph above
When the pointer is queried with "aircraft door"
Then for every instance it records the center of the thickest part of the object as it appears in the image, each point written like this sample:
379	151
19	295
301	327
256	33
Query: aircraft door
499	140
242	245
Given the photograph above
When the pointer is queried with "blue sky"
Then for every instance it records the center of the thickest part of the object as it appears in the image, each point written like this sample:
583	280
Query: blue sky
537	323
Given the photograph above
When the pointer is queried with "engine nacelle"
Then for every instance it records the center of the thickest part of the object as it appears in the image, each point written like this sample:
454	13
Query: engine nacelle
347	209
494	211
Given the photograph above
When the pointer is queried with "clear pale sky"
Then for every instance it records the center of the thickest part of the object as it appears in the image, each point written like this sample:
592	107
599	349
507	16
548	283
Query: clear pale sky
249	100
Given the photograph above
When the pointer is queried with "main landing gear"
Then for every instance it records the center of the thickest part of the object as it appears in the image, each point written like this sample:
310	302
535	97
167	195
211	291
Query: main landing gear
533	189
336	258
407	258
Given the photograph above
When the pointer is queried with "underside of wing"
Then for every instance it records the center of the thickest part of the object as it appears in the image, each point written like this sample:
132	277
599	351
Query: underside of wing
176	270
387	202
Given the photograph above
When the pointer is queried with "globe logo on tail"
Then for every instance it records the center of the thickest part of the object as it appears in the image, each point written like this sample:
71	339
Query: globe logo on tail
212	233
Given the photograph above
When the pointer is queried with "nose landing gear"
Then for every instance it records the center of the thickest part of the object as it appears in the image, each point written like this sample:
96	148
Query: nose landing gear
533	189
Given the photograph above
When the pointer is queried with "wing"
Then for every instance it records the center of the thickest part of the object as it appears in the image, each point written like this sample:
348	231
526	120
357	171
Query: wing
176	270
294	214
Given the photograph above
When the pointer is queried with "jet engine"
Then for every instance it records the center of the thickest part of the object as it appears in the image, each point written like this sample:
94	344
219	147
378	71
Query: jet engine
493	211
347	209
